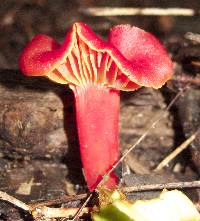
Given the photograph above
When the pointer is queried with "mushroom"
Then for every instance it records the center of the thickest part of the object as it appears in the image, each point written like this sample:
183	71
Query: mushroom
96	71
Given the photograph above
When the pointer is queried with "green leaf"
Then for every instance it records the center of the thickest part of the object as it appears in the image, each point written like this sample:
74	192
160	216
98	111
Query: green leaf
170	206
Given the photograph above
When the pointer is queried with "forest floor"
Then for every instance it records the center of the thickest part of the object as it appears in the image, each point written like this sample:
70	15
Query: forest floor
39	152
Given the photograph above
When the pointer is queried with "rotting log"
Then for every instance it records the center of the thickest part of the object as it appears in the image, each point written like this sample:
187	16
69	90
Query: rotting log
31	116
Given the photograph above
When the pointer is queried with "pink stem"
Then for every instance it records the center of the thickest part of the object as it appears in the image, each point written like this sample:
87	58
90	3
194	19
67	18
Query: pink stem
97	113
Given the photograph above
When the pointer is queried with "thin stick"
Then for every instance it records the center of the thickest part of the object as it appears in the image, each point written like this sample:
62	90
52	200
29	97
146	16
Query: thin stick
174	153
193	37
82	207
161	116
110	11
60	200
48	212
4	196
197	63
176	185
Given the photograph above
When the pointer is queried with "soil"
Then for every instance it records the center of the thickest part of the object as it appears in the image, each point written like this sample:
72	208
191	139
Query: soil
39	150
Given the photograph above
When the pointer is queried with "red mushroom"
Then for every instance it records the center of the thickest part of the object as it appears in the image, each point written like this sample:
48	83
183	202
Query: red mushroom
96	71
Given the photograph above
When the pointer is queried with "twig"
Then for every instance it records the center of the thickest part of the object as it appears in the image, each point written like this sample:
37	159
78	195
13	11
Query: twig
111	11
4	196
176	185
48	212
193	37
174	153
197	63
60	200
82	207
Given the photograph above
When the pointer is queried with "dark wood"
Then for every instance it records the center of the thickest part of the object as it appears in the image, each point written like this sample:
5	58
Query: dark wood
32	120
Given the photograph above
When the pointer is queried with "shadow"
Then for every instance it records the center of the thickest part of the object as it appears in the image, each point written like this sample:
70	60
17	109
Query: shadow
15	81
176	124
72	158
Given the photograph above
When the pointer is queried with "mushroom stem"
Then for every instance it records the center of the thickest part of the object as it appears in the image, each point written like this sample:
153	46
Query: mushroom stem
97	113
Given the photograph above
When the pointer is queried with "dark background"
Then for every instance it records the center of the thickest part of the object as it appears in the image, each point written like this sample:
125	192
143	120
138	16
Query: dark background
21	19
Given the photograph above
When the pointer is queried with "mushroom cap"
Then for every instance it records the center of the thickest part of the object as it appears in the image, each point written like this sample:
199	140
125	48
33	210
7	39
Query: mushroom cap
131	58
150	63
